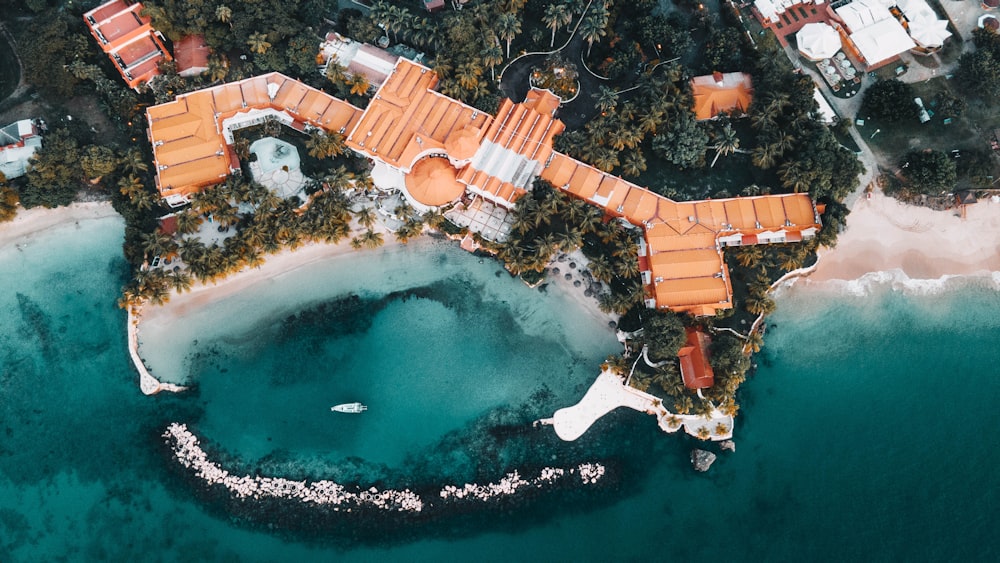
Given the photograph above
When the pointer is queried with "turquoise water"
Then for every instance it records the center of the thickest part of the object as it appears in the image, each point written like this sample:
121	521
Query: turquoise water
867	432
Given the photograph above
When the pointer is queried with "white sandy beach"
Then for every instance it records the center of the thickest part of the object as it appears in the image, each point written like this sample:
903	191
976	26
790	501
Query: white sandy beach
28	222
883	234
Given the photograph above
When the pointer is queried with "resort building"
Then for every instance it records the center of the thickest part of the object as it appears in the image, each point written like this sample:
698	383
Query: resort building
192	136
191	55
18	143
437	151
696	370
717	93
135	48
357	58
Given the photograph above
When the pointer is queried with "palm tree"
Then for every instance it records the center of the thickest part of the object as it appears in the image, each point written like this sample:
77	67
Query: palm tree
607	98
590	222
569	239
650	119
359	85
224	14
258	43
795	175
556	16
727	145
372	239
616	364
365	217
492	57
592	29
181	281
683	405
468	74
703	433
188	222
409	229
158	243
508	26
325	144
134	162
217	68
433	218
762	305
765	156
634	164
129	186
602	268
749	255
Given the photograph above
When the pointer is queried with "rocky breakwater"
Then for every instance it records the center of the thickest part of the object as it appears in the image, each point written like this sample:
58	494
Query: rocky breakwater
328	495
188	453
512	483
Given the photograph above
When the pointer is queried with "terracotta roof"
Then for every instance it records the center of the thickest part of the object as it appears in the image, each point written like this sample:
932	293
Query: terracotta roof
191	54
680	279
695	367
432	182
721	92
131	43
515	146
408	119
190	149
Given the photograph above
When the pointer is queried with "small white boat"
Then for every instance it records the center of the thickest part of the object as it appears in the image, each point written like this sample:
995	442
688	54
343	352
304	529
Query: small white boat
351	408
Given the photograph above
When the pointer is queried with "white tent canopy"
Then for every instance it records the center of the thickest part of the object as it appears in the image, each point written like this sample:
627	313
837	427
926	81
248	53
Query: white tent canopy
818	41
862	13
929	33
882	40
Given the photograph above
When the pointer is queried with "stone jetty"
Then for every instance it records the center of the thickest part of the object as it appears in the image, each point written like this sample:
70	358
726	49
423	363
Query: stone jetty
186	449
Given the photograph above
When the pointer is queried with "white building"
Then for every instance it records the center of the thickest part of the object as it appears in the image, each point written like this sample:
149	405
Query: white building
18	142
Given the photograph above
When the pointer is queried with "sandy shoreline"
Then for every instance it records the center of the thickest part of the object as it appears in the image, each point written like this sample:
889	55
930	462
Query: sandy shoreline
29	222
288	261
884	235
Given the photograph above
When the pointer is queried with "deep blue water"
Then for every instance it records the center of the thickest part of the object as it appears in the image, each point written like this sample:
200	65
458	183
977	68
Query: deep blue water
867	432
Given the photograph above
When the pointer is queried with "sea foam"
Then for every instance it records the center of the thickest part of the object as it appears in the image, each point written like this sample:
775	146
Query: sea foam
897	280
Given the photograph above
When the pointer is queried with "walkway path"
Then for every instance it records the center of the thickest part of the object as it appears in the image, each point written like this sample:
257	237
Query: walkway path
608	393
514	79
147	383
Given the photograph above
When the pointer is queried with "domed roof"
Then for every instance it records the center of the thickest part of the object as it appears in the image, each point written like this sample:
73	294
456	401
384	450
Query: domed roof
432	182
463	143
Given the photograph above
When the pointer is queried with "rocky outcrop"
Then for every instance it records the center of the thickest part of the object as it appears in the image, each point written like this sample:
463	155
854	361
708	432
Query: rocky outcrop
727	445
702	460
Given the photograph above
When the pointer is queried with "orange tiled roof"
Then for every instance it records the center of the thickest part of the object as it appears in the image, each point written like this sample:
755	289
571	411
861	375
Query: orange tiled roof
407	119
686	268
721	92
695	367
192	55
190	150
131	43
432	182
514	147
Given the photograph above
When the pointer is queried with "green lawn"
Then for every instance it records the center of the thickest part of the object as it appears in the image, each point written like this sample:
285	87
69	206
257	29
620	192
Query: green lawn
970	130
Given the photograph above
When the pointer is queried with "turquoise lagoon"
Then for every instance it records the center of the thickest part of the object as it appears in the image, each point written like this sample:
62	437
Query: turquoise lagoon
867	432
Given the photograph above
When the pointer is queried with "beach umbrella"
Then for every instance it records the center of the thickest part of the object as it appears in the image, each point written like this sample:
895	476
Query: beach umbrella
818	41
929	33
